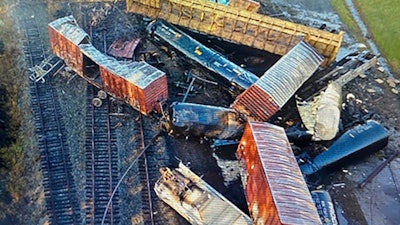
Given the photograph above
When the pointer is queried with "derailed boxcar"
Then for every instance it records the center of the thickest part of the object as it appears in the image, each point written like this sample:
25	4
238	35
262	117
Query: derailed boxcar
137	83
65	36
278	84
204	121
275	189
195	200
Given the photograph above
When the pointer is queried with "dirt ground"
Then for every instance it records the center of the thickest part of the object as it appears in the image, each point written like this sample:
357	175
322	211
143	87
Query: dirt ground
377	203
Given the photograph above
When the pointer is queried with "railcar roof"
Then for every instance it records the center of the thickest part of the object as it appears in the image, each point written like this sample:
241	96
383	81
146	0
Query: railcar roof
69	28
139	73
286	182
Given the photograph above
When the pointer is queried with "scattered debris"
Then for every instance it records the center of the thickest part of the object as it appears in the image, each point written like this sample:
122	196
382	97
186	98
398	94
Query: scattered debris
45	67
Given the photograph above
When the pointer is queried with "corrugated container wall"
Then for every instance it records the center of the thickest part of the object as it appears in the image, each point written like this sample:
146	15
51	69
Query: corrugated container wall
138	83
275	189
278	84
65	36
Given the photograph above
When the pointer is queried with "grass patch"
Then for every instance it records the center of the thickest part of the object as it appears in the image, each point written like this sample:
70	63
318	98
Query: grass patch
383	21
345	15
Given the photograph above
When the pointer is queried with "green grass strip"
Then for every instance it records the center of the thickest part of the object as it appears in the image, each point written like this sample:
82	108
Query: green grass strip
383	21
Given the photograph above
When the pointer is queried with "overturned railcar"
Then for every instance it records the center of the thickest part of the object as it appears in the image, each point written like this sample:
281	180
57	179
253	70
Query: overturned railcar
137	83
275	189
230	74
278	84
357	142
211	122
195	200
239	25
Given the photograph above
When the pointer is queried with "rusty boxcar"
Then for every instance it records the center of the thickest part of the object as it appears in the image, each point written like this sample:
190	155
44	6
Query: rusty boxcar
278	84
275	189
65	36
137	83
195	200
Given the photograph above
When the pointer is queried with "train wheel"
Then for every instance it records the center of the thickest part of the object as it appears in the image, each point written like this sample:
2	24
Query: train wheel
97	102
102	94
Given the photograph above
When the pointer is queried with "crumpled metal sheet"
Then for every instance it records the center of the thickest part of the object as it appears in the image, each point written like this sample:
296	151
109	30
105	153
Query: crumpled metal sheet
123	49
328	113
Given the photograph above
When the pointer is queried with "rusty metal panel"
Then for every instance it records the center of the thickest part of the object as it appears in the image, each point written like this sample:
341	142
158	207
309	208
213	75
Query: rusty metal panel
150	8
156	92
66	50
138	83
68	28
123	49
274	185
256	103
278	84
242	26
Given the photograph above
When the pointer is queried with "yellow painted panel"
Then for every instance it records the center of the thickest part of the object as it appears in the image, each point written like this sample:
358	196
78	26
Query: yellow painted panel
240	26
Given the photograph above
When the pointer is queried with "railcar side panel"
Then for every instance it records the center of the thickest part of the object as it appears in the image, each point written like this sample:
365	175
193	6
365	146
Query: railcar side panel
65	36
274	185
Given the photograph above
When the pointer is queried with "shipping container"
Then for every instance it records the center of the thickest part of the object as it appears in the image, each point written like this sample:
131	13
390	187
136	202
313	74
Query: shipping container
279	83
275	189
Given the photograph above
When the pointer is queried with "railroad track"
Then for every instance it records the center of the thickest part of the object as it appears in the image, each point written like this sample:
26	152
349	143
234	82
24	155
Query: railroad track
149	164
60	192
101	162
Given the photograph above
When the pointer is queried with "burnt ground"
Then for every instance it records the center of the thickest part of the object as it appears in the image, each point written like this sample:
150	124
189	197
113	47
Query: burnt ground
377	203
